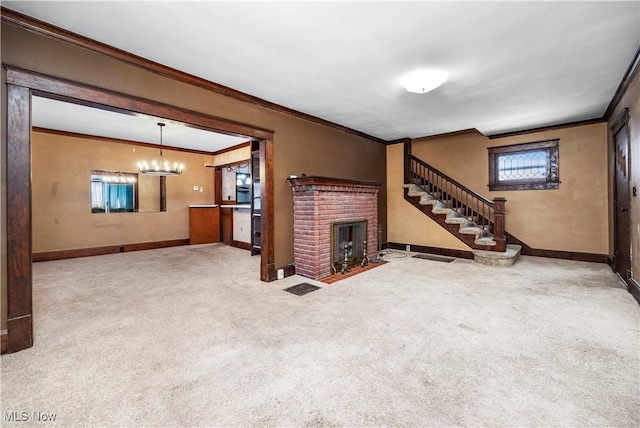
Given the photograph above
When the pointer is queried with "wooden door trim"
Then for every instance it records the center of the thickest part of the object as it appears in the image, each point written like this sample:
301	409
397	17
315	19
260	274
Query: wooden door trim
621	123
21	86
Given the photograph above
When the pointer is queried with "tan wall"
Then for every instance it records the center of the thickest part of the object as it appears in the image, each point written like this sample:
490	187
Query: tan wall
299	145
61	194
404	222
571	218
631	100
233	156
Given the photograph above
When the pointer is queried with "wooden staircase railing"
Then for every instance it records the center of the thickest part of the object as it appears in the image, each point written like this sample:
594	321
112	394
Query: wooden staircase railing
487	214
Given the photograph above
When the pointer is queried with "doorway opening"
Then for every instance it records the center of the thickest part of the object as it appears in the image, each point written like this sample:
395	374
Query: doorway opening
21	86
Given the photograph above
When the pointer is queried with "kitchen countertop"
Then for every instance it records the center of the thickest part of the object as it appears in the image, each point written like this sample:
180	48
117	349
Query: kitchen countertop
203	206
246	206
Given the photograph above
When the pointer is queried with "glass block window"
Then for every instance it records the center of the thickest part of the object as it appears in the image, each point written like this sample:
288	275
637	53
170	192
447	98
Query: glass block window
530	166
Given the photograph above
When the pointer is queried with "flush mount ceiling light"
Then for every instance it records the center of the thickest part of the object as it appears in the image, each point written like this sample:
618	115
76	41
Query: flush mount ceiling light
423	81
160	165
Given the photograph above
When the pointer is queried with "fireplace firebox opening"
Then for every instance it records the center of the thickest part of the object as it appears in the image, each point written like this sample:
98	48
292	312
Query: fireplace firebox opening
348	245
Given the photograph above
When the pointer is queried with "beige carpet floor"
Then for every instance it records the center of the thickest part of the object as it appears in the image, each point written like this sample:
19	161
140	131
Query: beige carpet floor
189	336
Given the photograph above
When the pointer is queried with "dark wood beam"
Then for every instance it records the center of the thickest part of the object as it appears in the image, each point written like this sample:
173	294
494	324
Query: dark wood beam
91	96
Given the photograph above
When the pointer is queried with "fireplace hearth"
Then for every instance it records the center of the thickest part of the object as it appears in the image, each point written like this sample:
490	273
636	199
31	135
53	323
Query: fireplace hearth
319	204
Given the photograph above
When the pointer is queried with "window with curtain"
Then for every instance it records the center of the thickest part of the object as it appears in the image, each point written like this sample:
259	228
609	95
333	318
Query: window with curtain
113	192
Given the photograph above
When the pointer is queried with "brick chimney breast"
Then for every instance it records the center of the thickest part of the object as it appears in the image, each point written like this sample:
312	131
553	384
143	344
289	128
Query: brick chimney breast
318	202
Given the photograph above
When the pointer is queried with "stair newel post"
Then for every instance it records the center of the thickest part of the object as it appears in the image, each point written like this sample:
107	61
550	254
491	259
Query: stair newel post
498	223
407	161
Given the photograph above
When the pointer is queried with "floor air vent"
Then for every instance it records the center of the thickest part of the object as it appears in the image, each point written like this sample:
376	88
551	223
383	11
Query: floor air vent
302	289
433	258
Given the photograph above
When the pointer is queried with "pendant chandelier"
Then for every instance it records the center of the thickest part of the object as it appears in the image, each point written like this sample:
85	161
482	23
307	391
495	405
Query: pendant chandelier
160	165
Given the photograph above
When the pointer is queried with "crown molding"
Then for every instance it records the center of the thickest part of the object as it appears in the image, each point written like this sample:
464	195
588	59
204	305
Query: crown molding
628	77
232	148
42	28
548	128
117	140
398	141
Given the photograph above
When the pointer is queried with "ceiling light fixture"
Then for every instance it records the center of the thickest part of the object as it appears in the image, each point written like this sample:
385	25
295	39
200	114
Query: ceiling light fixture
160	165
423	81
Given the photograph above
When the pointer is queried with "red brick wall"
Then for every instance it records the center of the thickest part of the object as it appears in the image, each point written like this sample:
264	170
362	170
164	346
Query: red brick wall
315	207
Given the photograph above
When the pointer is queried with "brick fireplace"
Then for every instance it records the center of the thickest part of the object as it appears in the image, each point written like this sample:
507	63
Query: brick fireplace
318	204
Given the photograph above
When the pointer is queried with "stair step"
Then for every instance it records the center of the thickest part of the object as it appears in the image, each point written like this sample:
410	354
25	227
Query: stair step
440	208
464	223
412	187
427	199
473	230
456	218
428	202
468	224
496	258
486	240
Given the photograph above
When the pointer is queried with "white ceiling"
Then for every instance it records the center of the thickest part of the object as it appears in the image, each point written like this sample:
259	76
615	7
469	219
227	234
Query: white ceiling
512	65
142	128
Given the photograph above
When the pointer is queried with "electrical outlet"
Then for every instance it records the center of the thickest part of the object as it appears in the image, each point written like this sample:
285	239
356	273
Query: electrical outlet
201	189
280	273
195	188
408	247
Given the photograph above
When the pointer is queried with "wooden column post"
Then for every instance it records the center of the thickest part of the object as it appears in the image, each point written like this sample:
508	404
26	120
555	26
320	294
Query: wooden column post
18	211
407	163
267	252
498	221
